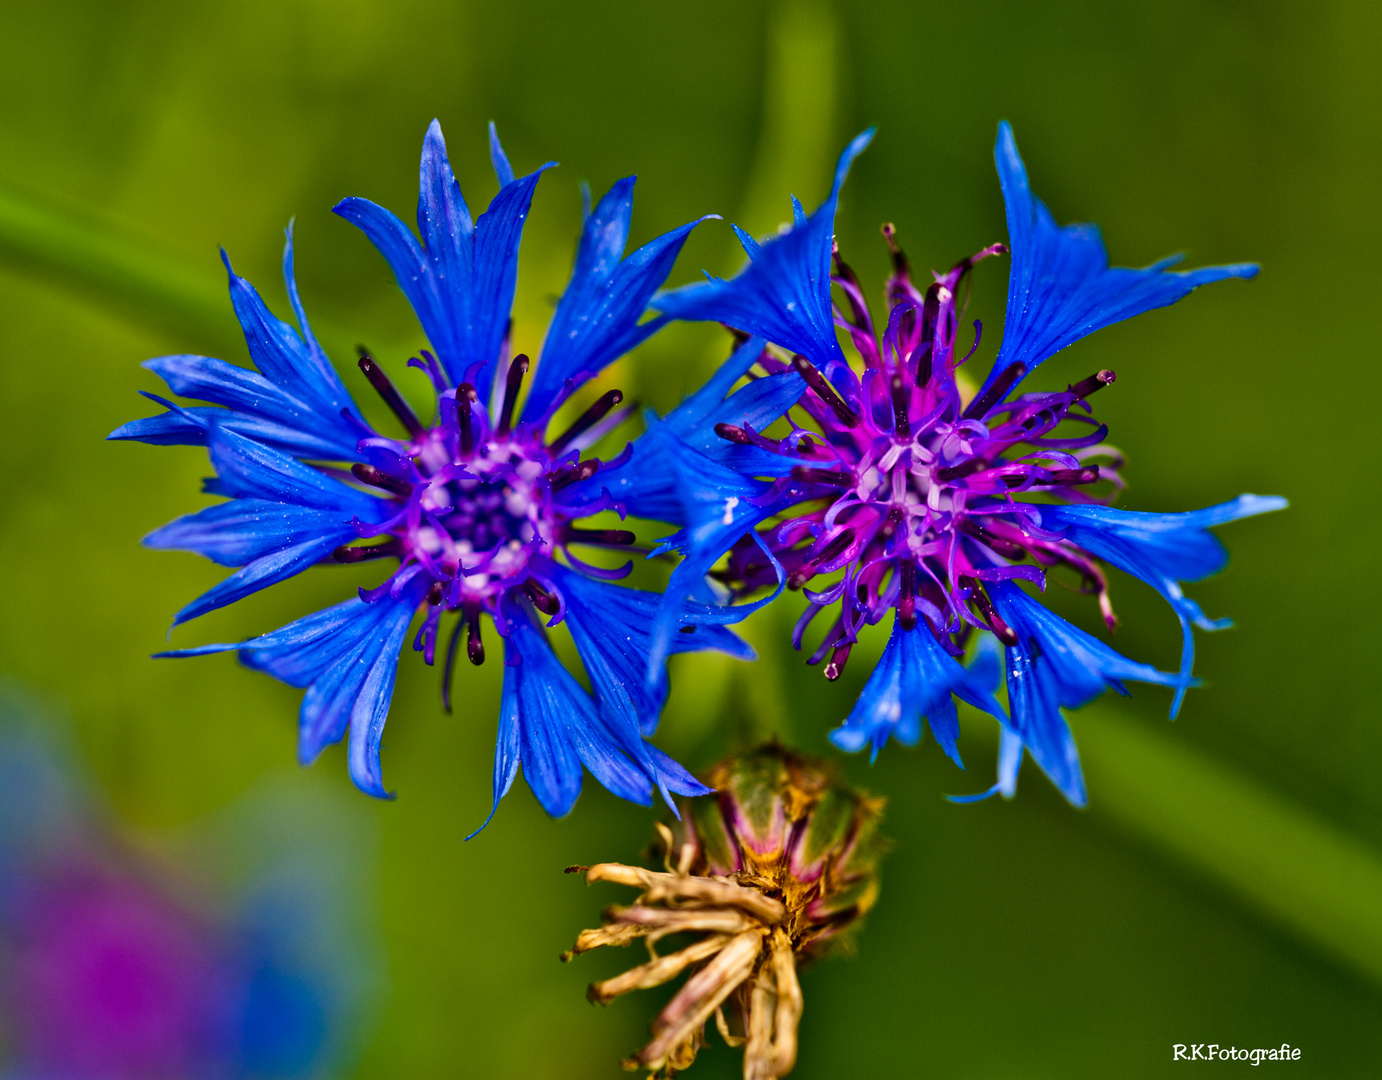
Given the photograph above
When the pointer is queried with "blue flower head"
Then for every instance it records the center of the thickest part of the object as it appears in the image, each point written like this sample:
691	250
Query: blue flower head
476	512
888	488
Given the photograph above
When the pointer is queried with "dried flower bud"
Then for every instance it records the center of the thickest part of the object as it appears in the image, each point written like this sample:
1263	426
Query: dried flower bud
767	874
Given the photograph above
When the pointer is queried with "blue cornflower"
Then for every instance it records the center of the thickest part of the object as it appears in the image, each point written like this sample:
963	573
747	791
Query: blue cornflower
480	508
919	499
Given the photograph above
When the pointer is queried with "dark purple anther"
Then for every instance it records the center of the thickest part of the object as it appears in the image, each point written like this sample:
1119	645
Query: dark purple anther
1006	548
434	594
584	471
600	537
466	397
736	435
839	656
450	667
954	472
900	265
1065	477
384	387
855	292
802	574
902	425
995	393
346	554
513	382
824	391
544	601
588	419
368	474
838	543
1097	381
474	647
907	594
833	477
1001	630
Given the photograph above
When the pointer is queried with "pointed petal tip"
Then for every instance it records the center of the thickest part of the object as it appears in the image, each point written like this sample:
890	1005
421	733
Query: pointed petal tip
856	146
980	796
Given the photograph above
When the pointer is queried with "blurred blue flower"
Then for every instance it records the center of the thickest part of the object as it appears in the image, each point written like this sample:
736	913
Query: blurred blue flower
476	507
907	494
124	961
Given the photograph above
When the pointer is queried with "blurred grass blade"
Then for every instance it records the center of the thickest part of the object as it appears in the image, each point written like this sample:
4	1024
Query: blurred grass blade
797	140
1291	864
92	258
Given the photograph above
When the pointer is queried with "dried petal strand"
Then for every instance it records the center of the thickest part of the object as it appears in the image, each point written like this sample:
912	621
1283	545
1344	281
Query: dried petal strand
701	996
655	972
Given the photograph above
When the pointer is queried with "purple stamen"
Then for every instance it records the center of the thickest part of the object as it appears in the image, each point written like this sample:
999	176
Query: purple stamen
601	537
368	474
513	382
1001	630
466	397
736	435
995	393
583	471
1065	477
384	387
902	425
824	391
544	601
834	477
901	268
1097	381
588	419
839	656
388	549
1006	548
855	291
836	546
954	472
449	670
474	647
907	594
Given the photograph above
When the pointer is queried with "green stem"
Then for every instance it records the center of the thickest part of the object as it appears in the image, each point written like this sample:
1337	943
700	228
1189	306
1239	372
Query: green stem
1291	864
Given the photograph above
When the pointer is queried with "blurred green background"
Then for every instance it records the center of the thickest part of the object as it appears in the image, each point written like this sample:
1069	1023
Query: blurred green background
1225	884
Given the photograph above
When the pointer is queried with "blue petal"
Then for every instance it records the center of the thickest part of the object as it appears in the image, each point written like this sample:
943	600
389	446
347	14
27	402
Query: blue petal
597	319
255	398
189	427
248	469
643	484
506	747
503	171
1057	665
296	365
347	657
1162	550
460	280
915	678
612	627
293	402
718	507
242	530
266	570
694	413
649	485
784	293
559	728
1061	286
